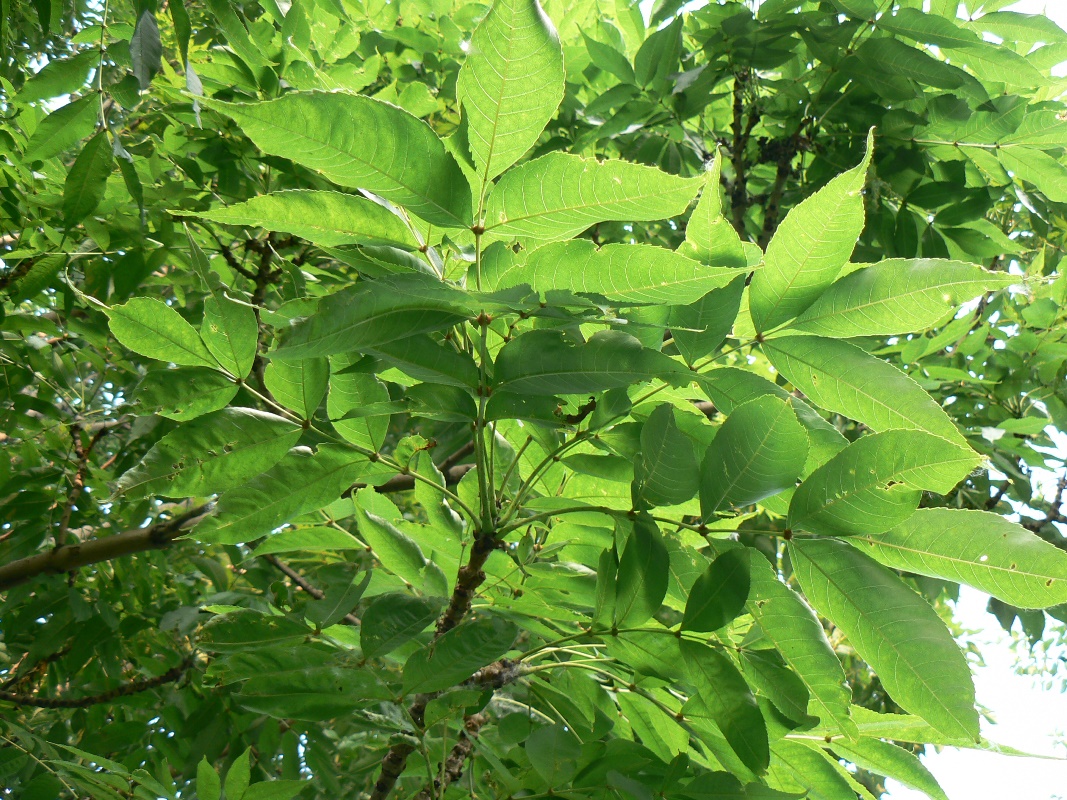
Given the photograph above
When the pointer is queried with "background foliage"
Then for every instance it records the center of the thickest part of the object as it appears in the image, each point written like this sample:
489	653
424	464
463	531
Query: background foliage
192	349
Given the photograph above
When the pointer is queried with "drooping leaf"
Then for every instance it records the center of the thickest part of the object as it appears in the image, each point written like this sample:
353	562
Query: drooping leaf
810	247
839	376
977	548
759	451
896	296
323	218
212	453
626	273
559	195
87	180
668	464
542	363
154	329
458	654
397	552
722	694
641	583
893	629
301	482
403	160
374	313
146	49
511	83
300	384
875	483
393	619
720	593
354	391
885	758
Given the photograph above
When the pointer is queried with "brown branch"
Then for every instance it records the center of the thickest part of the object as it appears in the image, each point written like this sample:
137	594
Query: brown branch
307	586
456	457
742	132
405	483
78	483
453	766
39	665
1055	513
773	208
134	687
71	557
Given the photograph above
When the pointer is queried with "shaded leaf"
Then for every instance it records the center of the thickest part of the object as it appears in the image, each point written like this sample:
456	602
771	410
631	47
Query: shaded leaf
720	593
458	654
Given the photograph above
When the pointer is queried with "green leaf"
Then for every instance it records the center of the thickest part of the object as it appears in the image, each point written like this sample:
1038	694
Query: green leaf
328	219
273	790
238	777
839	376
58	77
352	392
182	29
884	758
299	385
246	629
720	593
301	482
184	394
1039	168
311	540
341	593
607	58
146	55
237	37
893	629
510	84
644	571
423	359
87	180
709	238
722	694
208	785
212	453
796	632
393	619
374	313
897	296
810	247
559	195
667	465
397	552
554	751
927	28
700	327
540	362
875	483
795	767
62	129
403	160
759	451
458	654
154	329
977	548
625	273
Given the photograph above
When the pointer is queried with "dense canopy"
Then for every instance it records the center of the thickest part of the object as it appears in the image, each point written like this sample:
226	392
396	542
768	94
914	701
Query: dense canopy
430	399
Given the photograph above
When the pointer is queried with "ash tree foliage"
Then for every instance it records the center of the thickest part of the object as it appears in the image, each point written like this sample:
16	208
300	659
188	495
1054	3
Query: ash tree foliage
431	399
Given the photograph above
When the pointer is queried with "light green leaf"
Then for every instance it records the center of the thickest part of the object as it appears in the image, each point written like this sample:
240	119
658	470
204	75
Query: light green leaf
87	180
897	296
510	84
237	36
667	466
184	394
720	593
759	451
458	654
375	313
810	247
709	238
154	329
238	777
58	77
541	362
559	195
626	273
839	376
977	548
212	453
644	567
893	629
926	28
311	540
795	767
422	358
353	391
323	218
397	552
393	619
698	328
796	632
299	385
722	694
876	482
553	751
301	482
63	128
362	143
1039	168
208	785
246	629
884	758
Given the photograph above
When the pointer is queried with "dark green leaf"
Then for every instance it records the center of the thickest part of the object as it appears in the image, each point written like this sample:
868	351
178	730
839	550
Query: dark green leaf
393	619
641	583
458	654
63	128
146	49
668	465
720	593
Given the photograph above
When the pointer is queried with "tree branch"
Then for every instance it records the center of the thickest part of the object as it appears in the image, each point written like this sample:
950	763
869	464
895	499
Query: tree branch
773	208
308	587
134	687
78	484
71	557
453	766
